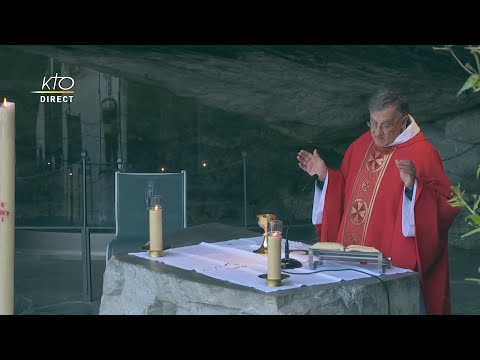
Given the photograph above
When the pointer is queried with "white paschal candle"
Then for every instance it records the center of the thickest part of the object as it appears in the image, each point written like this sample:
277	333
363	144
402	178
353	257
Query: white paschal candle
7	206
274	256
156	228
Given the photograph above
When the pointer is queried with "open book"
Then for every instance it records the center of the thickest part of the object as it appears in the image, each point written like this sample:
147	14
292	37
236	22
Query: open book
333	246
357	253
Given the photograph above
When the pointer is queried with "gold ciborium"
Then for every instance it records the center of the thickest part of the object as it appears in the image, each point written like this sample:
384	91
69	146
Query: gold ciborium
263	220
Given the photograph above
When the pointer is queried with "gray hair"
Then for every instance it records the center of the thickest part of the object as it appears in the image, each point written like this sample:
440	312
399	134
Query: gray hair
387	97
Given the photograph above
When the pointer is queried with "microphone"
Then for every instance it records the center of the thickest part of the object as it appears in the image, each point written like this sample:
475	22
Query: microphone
286	262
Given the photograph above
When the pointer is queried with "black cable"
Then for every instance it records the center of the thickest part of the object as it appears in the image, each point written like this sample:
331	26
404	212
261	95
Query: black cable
287	247
360	271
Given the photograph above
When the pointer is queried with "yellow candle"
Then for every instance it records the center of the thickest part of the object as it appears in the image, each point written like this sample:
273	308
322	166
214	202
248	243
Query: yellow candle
156	229
274	256
7	206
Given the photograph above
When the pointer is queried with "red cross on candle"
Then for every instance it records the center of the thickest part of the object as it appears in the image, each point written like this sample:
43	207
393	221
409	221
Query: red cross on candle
3	212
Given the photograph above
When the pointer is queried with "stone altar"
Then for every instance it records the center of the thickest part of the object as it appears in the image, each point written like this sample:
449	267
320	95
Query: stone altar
138	286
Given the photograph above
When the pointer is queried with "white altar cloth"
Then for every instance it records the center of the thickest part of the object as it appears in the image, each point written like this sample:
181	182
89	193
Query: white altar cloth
235	261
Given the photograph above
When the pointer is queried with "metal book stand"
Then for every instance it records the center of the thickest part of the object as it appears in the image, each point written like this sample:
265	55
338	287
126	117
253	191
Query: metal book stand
351	256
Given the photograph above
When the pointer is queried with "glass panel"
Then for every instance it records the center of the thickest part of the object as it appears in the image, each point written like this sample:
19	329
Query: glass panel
142	128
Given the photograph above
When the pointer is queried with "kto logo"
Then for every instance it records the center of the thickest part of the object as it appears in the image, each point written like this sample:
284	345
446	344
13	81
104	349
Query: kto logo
56	85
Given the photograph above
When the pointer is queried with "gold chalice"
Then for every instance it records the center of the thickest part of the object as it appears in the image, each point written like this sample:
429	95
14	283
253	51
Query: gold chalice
263	220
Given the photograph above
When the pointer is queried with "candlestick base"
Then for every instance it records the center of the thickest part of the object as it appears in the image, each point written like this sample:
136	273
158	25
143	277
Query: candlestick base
262	249
288	263
155	253
274	282
165	247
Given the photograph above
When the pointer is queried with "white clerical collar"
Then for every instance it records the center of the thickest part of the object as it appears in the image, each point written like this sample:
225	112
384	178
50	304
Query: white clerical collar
409	132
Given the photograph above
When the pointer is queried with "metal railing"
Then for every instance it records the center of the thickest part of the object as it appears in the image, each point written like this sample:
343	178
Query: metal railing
81	198
85	230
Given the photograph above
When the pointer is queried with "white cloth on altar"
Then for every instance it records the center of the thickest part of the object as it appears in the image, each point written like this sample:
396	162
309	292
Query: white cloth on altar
234	261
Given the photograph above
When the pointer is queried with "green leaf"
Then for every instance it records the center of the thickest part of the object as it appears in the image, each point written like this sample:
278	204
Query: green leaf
457	190
442	48
470	83
470	67
477	202
473	49
475	219
473	279
474	231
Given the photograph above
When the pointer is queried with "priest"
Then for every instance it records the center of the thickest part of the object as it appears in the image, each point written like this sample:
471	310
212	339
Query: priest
391	193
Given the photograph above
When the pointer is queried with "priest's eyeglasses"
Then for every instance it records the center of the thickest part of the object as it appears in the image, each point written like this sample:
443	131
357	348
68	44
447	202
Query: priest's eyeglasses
386	126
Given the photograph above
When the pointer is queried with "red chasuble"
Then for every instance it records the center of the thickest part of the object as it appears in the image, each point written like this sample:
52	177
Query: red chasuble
363	206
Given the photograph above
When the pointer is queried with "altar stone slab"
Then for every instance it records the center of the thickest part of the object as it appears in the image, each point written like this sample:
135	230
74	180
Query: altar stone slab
134	286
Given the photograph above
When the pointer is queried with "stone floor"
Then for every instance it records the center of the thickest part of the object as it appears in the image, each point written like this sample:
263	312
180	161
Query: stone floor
51	286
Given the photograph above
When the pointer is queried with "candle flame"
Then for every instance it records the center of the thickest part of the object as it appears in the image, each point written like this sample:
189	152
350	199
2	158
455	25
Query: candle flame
157	207
4	101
